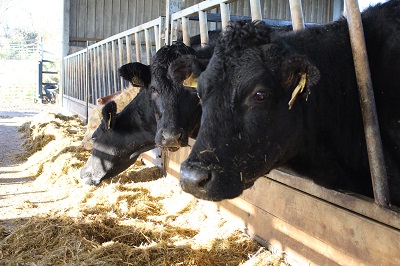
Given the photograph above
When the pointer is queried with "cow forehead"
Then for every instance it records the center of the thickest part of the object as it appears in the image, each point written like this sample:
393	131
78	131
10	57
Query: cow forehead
228	74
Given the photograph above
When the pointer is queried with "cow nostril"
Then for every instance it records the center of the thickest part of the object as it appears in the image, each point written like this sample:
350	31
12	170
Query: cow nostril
171	138
204	179
194	180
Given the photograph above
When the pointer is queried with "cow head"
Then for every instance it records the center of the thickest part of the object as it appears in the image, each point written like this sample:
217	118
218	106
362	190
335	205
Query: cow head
253	94
120	139
175	106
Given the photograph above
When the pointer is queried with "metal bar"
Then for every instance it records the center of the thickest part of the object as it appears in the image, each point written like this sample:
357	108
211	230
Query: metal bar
157	37
128	48
185	31
225	14
82	81
103	70
148	45
296	12
96	73
367	102
203	28
87	83
174	31
113	68
137	44
255	8
120	55
108	70
40	67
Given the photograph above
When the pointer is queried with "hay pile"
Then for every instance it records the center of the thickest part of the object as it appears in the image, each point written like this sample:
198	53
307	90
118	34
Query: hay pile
136	218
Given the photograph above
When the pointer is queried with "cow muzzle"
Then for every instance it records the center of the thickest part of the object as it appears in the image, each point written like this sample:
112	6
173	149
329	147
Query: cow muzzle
208	184
171	138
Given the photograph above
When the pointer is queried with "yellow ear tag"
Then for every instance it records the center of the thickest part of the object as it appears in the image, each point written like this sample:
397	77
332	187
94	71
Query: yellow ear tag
299	89
190	81
137	82
109	121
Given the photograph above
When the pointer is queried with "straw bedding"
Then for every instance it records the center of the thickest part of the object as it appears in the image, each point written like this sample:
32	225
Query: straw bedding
136	218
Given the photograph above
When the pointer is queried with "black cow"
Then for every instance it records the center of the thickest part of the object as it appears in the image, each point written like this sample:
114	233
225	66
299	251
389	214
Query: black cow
176	106
292	101
121	138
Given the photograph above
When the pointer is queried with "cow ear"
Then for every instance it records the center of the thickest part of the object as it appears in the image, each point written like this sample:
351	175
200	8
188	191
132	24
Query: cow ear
299	75
109	112
186	69
136	73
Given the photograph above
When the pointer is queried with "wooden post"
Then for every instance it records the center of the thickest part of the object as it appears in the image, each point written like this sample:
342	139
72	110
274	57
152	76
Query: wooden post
367	102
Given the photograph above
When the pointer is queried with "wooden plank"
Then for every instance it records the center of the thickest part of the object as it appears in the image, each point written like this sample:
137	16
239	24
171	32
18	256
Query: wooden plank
364	239
99	19
152	157
283	239
140	9
91	19
124	14
107	19
115	17
356	203
131	14
73	30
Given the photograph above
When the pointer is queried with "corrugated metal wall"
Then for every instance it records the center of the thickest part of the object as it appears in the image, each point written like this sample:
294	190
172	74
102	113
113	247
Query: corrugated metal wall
93	20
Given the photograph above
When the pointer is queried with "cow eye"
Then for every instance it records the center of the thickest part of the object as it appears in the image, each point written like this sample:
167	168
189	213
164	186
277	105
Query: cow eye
260	96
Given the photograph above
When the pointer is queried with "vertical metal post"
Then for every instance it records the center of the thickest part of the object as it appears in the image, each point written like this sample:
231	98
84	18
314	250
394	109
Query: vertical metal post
255	8
40	81
120	62
138	46
203	28
87	79
225	14
128	49
157	37
113	69
185	31
367	102
296	13
148	44
108	70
